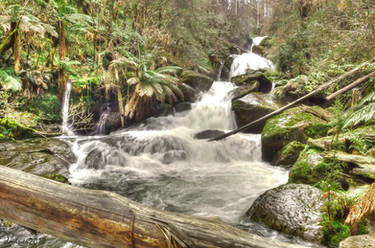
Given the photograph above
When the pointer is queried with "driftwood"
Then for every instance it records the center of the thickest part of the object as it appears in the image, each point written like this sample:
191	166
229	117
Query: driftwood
280	110
103	219
350	86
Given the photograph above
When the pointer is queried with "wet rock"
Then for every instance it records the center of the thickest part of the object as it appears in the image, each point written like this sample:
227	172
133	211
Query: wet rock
113	122
95	159
44	157
244	90
296	124
290	153
251	76
197	80
183	106
208	134
292	209
359	241
252	107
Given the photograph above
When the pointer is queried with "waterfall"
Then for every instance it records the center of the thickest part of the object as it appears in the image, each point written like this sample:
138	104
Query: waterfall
250	61
65	109
160	163
218	77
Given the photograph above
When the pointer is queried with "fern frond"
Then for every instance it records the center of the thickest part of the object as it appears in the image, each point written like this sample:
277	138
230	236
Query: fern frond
362	115
363	207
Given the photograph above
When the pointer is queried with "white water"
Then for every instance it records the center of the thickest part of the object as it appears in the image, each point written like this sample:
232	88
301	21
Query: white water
161	164
65	128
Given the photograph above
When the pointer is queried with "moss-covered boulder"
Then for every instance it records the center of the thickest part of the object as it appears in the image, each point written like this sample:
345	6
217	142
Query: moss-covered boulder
43	157
290	153
292	209
315	166
252	107
197	80
296	124
251	77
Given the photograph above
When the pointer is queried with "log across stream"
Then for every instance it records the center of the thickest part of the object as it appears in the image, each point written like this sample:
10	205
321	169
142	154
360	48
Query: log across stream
103	219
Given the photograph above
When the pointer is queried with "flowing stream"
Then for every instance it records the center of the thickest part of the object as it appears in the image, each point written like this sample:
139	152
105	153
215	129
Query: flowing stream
161	164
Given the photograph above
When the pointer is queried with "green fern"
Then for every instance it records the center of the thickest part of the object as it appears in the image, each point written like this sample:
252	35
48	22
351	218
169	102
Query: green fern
363	112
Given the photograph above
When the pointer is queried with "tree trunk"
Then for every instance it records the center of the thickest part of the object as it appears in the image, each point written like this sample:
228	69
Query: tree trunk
102	219
61	77
121	106
9	40
17	50
350	86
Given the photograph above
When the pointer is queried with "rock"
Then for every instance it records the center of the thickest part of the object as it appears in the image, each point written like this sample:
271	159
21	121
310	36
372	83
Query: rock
252	107
314	166
208	134
244	90
251	76
364	165
197	80
113	122
359	241
295	124
44	157
296	88
183	106
292	209
290	153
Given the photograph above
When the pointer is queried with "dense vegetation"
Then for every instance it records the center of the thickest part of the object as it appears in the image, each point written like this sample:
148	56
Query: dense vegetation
134	55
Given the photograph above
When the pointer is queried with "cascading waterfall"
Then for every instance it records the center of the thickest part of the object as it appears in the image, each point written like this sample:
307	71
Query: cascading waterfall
65	109
159	163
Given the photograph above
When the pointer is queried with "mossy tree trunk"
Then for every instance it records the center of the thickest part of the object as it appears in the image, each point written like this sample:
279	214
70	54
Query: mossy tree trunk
61	76
121	106
17	49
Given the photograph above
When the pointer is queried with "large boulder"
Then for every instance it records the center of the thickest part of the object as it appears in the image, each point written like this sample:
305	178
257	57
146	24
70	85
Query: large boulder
197	80
359	241
292	209
251	76
252	107
295	124
43	157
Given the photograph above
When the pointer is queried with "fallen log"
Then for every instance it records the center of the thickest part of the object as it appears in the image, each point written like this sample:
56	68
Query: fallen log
280	110
103	219
350	86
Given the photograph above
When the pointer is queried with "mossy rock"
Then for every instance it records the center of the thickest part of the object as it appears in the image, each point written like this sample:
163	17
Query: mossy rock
296	88
252	76
10	130
290	153
296	124
252	107
197	80
49	158
314	166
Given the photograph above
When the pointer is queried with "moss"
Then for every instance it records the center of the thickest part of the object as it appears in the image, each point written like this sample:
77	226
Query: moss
292	125
290	153
312	168
57	177
334	231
